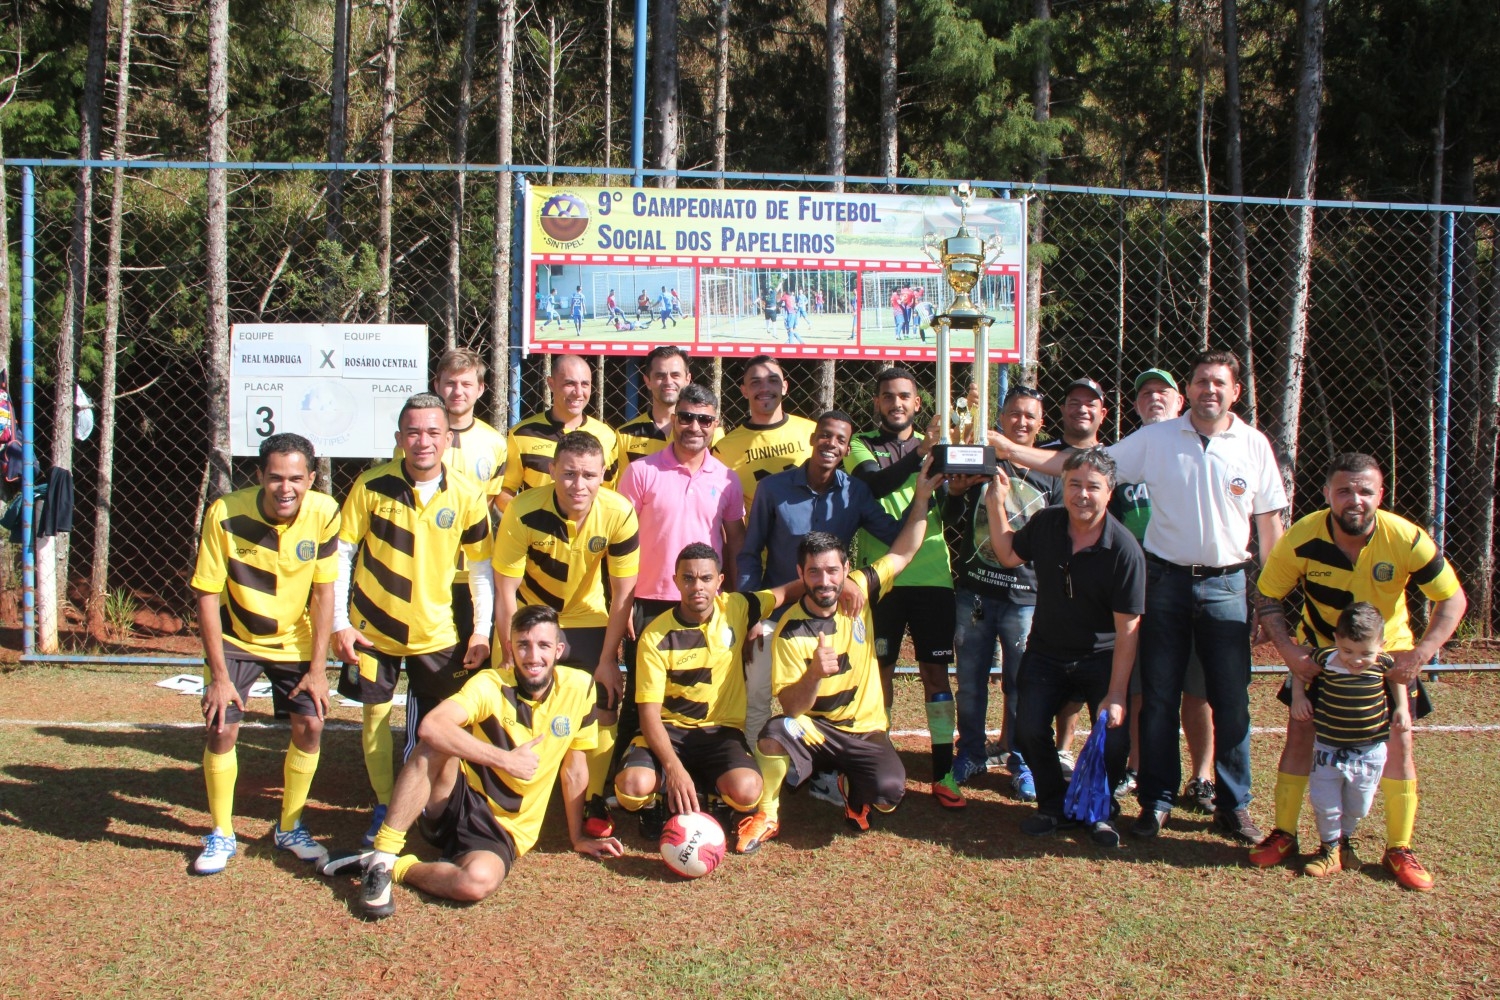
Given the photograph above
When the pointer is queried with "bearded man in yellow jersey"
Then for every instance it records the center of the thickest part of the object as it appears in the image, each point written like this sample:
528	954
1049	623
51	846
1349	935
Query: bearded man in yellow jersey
405	525
826	675
267	556
772	440
665	372
477	784
552	548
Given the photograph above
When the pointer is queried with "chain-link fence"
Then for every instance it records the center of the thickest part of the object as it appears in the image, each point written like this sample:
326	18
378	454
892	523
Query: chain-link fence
1124	282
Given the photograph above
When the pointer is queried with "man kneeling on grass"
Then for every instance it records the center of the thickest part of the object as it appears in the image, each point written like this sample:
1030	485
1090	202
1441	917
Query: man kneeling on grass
479	779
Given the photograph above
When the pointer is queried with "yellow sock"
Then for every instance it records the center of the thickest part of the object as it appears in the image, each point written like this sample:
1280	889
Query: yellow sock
1290	788
376	739
297	775
1400	811
220	770
388	841
399	869
599	759
773	773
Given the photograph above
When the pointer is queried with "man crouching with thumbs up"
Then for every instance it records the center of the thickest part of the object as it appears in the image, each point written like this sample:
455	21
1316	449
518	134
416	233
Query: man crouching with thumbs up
478	782
827	678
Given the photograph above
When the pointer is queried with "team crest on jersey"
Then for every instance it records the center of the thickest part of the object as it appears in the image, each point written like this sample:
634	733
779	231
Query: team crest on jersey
596	544
446	517
1238	487
859	631
306	549
1383	572
483	468
561	725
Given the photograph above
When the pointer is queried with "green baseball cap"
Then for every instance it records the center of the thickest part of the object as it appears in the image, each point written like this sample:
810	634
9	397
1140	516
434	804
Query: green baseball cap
1155	373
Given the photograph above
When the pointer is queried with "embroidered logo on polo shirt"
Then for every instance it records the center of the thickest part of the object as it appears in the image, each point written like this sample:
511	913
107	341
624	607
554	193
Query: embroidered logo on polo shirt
445	518
1238	487
859	630
596	544
306	549
561	725
1384	572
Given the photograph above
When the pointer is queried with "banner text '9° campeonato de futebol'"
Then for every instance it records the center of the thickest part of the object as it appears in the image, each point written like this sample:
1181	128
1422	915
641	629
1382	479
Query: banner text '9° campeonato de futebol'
796	274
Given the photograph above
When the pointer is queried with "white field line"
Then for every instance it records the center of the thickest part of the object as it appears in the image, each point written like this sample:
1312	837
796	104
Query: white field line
354	727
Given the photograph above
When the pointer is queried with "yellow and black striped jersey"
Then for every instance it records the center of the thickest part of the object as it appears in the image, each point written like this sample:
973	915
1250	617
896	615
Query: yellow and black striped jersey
263	572
755	451
401	595
560	563
498	714
1350	710
696	672
640	437
533	441
1397	552
851	699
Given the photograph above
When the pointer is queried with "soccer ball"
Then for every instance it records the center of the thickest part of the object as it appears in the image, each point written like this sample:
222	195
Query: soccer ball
692	844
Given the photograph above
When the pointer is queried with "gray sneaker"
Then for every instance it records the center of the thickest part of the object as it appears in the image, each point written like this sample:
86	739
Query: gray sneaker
299	842
375	893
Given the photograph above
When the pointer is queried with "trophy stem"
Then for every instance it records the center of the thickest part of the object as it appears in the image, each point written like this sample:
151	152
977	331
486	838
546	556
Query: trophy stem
982	379
943	396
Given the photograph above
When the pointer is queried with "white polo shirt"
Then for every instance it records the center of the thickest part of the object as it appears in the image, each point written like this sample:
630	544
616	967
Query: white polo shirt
1202	496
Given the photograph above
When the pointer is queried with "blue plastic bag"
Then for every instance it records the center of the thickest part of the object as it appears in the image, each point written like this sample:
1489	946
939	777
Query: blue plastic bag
1088	799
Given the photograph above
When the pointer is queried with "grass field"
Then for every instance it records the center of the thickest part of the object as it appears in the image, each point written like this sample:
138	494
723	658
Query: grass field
102	805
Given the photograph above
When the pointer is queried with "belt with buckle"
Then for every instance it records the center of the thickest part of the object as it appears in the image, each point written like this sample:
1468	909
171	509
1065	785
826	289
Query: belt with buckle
1196	571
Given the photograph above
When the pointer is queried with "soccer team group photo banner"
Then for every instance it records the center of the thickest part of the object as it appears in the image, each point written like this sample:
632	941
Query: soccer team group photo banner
795	274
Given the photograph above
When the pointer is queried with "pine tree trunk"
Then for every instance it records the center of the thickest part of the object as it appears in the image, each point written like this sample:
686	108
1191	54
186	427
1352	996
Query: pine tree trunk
890	95
609	88
1239	248
393	12
664	80
338	124
217	223
1435	291
837	116
1308	104
721	91
1041	103
103	504
1206	258
1481	588
505	105
453	304
8	551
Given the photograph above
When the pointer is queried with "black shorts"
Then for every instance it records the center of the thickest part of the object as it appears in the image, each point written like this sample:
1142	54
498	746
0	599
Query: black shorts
1417	701
708	753
874	770
435	676
243	672
466	824
928	612
585	647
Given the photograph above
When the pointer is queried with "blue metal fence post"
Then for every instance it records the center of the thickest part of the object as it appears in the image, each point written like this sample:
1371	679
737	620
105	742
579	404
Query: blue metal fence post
638	105
1443	392
28	409
517	291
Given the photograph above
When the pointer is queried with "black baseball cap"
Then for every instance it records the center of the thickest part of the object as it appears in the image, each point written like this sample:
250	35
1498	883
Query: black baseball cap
1084	383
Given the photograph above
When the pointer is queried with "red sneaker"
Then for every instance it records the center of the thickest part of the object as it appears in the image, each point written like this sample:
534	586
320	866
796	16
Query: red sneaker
1403	864
1277	846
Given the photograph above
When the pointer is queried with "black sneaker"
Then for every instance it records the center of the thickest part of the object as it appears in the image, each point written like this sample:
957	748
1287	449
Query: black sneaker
1238	825
1104	834
345	863
653	820
1149	823
1041	825
1198	794
376	895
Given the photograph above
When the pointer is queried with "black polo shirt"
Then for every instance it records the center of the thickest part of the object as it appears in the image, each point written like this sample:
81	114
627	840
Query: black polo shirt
1106	578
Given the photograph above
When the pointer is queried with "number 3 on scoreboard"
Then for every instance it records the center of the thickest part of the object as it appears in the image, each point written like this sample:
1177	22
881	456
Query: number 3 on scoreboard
262	418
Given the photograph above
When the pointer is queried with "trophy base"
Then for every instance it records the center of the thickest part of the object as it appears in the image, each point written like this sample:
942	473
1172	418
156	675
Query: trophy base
964	459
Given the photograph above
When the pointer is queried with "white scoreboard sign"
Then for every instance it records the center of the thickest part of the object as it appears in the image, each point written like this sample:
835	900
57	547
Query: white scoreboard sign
339	385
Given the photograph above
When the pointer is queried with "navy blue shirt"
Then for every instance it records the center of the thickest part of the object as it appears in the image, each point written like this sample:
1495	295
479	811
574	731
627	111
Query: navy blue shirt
786	508
1079	593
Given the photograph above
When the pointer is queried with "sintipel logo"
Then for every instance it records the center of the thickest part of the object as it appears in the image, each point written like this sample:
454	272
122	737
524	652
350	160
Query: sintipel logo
564	217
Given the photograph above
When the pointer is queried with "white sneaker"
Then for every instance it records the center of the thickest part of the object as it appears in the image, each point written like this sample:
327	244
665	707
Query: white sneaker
217	850
825	786
1066	760
299	842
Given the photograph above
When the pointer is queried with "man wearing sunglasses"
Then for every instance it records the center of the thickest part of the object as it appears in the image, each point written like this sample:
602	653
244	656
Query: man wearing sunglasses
682	494
1091	590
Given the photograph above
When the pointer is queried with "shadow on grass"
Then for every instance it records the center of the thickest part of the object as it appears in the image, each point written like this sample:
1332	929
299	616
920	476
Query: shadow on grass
84	803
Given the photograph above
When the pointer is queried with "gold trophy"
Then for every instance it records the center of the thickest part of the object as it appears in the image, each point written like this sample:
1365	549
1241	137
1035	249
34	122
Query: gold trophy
964	258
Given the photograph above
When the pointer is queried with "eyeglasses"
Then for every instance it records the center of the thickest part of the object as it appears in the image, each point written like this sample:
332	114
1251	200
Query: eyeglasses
1026	391
1067	579
701	419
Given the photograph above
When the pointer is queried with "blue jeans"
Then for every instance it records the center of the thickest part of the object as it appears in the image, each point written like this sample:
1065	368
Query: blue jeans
1046	684
980	623
1210	615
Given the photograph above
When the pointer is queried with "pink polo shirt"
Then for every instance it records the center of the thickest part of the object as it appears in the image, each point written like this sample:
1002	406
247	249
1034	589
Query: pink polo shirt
676	508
